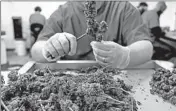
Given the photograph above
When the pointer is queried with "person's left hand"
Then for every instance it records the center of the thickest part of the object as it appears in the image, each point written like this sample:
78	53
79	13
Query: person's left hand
108	53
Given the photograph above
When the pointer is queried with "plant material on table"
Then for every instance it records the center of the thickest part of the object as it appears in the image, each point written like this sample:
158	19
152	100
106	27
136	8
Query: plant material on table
163	84
45	90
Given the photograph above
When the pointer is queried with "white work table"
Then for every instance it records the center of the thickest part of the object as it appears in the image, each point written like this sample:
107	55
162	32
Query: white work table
139	79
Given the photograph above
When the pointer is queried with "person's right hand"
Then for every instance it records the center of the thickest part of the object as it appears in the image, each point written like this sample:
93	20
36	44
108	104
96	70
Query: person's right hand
59	45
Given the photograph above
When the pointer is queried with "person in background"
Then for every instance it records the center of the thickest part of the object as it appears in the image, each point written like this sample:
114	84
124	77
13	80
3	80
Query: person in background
152	19
37	21
142	7
125	44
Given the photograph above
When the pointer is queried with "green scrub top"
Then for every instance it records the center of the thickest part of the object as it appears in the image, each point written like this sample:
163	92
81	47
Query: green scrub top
37	18
151	19
123	19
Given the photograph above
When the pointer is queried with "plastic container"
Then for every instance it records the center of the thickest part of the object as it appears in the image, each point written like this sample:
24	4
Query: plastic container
175	22
3	52
20	47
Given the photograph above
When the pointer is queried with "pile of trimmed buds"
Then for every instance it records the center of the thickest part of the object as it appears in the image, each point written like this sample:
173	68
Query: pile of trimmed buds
87	89
163	84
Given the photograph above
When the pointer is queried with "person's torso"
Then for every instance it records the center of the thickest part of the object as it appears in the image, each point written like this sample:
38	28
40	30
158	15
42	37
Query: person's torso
147	16
37	18
74	22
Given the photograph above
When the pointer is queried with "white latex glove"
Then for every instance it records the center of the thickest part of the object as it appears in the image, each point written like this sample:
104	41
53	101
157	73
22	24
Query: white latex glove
59	45
109	53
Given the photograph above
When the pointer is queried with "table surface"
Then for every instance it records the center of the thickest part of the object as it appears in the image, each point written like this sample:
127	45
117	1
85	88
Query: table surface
171	34
140	81
170	39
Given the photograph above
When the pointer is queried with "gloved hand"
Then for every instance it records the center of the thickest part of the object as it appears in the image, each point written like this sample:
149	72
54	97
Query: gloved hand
109	53
59	45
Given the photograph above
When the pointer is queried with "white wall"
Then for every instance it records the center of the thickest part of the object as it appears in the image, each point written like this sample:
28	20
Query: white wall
24	9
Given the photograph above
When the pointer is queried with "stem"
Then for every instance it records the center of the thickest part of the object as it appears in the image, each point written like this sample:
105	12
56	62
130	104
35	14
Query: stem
43	109
97	106
132	104
91	106
47	101
105	67
49	70
121	89
112	99
4	106
107	102
70	108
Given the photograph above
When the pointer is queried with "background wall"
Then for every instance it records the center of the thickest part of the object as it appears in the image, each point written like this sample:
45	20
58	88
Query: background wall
24	9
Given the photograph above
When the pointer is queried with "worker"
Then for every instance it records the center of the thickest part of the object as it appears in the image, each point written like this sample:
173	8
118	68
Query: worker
125	44
37	21
152	19
142	7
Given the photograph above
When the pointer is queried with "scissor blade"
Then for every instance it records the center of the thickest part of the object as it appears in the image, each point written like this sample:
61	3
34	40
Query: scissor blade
81	36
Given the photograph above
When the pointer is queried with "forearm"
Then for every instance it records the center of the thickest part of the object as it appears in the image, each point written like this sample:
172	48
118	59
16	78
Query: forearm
140	52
